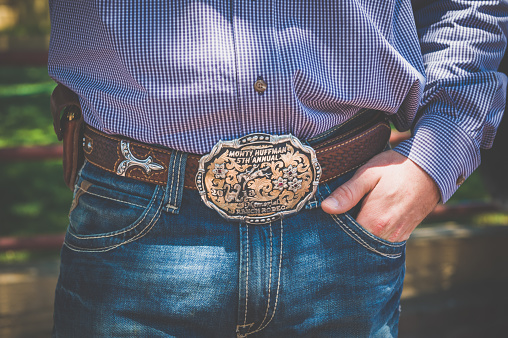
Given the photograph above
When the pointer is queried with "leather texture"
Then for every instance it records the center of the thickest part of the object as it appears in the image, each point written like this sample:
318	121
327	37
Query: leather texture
61	98
69	131
73	159
336	156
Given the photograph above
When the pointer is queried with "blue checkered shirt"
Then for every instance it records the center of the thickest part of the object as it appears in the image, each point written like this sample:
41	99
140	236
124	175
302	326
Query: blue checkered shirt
181	73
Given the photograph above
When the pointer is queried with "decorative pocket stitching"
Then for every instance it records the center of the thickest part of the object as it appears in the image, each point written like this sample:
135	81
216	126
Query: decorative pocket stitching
112	199
132	227
394	245
143	233
362	229
78	192
350	232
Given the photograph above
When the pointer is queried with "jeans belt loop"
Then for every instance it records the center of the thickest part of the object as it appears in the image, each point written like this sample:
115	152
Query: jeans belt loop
175	182
338	151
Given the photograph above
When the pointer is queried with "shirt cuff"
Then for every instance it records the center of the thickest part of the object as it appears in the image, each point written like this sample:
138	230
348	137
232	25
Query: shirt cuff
444	150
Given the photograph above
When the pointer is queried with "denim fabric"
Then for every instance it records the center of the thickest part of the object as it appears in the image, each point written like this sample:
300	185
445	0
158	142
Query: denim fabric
142	260
130	268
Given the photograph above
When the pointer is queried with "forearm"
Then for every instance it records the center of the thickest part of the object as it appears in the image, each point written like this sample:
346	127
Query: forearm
462	44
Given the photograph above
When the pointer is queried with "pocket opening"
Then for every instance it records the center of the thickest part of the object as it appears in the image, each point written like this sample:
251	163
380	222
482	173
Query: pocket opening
102	217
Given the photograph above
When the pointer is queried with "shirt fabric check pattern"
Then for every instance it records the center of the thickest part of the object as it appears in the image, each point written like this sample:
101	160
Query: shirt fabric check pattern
181	74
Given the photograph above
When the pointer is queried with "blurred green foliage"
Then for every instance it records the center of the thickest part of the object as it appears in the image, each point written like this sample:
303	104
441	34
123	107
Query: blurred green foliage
33	197
19	257
29	18
22	76
13	257
472	190
24	107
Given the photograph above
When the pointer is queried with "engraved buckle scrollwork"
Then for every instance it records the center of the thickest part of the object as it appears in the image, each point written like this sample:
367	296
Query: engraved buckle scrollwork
131	161
258	178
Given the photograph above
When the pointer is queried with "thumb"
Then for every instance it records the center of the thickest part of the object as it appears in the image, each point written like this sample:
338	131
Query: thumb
345	197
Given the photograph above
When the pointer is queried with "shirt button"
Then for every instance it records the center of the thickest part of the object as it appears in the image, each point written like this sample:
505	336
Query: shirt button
460	180
260	86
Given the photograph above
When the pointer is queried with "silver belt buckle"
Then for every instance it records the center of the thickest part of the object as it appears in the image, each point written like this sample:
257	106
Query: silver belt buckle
258	178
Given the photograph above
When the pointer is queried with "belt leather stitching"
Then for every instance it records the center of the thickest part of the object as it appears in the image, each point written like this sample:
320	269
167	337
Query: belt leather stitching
342	136
343	144
93	136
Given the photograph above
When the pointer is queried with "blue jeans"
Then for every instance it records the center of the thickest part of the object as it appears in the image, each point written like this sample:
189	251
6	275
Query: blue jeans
142	260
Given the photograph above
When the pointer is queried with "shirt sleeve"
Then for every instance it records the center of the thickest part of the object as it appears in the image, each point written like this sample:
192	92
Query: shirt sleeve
462	44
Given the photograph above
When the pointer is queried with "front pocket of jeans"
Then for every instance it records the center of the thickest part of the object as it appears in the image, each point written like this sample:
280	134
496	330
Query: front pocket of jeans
366	239
103	218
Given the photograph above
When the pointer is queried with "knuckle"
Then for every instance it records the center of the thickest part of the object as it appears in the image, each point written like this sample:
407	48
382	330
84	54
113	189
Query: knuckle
344	192
379	226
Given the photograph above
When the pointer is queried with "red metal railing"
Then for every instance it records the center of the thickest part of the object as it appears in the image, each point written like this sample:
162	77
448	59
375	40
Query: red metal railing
24	58
35	153
41	242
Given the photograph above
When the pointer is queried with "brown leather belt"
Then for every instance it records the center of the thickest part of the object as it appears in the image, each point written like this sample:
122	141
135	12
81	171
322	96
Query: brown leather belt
336	156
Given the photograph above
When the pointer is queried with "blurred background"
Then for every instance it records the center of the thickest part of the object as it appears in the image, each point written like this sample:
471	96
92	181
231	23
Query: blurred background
457	260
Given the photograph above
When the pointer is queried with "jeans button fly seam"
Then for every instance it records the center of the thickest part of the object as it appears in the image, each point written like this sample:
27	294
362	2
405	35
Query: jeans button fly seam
244	330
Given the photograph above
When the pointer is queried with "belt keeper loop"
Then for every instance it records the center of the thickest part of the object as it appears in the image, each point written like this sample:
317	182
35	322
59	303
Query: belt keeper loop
175	183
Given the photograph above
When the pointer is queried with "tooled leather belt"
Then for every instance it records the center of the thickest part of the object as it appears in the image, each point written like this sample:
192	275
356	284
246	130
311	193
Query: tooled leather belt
336	156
